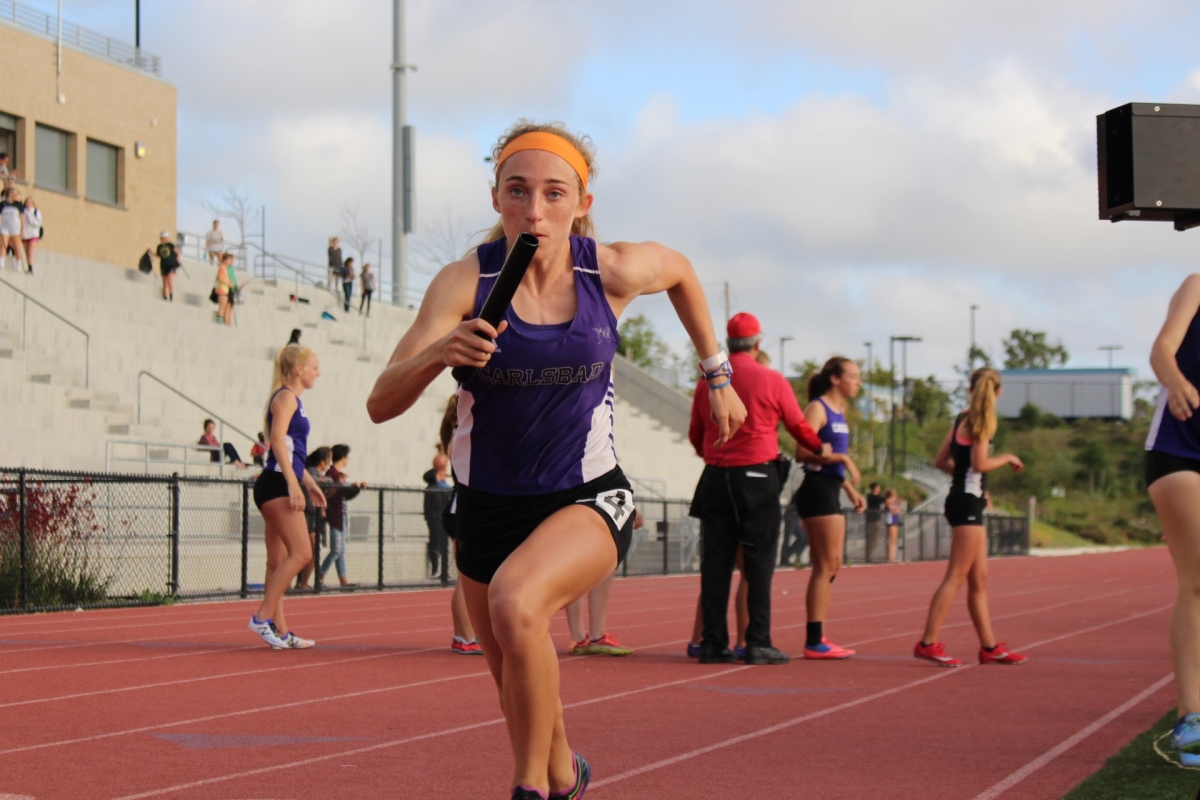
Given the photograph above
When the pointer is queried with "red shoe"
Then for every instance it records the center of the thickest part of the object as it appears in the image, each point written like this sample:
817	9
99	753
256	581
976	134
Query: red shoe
1000	654
579	648
464	648
607	645
936	653
827	651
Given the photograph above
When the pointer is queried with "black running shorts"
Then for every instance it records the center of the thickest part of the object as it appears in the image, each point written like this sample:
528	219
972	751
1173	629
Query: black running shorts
270	485
964	509
492	526
818	496
1160	464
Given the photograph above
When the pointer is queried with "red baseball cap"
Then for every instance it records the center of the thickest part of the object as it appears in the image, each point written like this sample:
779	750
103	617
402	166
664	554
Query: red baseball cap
743	326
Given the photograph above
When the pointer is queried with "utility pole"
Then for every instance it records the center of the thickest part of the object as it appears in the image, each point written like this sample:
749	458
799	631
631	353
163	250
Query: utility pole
971	356
402	178
870	405
726	302
892	405
782	363
903	340
1109	348
137	27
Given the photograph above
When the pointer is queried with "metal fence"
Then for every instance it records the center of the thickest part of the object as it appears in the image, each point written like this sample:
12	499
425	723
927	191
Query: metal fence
87	540
78	38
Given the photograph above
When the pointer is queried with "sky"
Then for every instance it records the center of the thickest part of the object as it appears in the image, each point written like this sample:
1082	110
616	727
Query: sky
854	171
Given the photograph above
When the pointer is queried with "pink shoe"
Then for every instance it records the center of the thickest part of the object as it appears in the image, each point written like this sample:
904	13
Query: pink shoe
827	651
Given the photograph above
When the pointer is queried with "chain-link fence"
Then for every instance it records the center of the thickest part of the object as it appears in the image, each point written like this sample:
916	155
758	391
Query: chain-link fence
87	540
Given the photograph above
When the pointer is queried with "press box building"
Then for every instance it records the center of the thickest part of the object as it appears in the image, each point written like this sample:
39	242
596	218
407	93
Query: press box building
1068	393
89	128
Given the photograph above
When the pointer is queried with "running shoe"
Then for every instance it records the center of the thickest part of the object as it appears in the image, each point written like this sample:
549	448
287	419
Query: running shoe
936	653
827	651
693	650
290	641
266	630
758	656
606	645
740	652
527	793
1000	654
1186	737
579	648
583	776
464	648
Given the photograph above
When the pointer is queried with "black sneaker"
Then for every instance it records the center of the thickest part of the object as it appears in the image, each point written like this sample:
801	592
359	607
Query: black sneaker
711	654
765	655
525	793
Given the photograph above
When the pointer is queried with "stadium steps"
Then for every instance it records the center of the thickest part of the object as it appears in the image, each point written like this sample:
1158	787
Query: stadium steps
228	371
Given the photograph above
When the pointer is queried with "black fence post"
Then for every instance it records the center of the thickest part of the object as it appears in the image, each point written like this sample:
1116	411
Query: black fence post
245	539
381	538
23	599
175	535
445	545
921	538
666	528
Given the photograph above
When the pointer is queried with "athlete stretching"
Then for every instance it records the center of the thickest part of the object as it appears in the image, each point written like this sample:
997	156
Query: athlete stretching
544	512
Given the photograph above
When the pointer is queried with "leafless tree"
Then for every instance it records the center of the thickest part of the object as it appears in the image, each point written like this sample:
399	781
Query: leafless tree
440	243
234	205
357	234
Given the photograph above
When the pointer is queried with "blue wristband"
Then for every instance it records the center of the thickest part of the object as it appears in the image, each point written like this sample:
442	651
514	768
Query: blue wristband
720	385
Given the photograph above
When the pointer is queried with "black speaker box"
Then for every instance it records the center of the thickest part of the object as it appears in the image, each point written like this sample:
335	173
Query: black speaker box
1149	163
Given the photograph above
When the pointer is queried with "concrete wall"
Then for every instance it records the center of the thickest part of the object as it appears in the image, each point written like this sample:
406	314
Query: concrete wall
111	104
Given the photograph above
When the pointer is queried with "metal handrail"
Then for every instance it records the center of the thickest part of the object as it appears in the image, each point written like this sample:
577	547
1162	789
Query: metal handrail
78	38
146	460
209	412
87	368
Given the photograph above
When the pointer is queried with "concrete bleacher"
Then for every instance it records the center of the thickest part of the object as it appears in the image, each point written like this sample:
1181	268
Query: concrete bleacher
54	421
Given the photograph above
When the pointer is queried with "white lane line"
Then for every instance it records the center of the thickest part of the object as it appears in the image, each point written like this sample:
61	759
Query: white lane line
945	673
417	738
1065	745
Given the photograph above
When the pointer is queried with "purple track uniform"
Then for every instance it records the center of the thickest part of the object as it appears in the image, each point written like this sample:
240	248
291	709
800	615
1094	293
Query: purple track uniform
820	494
270	483
535	431
1174	446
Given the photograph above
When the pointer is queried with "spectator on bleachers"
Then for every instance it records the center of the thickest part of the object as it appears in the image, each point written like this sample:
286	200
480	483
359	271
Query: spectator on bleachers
226	288
214	242
32	233
209	439
6	178
335	260
258	450
348	282
338	492
168	262
12	220
317	464
438	493
368	288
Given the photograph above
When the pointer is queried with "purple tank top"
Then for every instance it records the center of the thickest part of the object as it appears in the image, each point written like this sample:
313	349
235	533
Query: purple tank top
1167	434
539	417
836	433
297	439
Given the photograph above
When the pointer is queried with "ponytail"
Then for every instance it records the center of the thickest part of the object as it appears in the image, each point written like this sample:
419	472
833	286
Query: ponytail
449	424
981	413
289	359
820	383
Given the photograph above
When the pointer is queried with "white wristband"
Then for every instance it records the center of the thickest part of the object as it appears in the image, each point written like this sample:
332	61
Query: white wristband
712	362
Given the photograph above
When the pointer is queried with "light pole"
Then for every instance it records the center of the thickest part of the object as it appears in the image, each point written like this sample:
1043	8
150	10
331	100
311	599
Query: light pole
870	405
904	340
971	355
783	364
402	162
1109	348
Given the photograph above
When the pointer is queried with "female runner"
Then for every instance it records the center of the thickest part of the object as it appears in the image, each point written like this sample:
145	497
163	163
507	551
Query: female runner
279	496
464	642
1173	480
964	454
817	502
544	513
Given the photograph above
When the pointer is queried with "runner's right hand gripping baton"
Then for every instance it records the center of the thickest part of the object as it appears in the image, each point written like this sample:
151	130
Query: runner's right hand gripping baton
500	297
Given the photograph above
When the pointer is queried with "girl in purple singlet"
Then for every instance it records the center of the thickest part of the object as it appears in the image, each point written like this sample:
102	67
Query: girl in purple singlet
279	495
543	511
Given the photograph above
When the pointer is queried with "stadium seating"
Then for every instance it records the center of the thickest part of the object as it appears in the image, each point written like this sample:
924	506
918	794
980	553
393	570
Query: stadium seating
55	421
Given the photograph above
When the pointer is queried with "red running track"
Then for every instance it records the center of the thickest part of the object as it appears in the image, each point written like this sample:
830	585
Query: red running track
183	702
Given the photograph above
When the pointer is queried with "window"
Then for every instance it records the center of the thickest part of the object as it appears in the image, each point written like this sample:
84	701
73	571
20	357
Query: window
103	161
8	139
52	159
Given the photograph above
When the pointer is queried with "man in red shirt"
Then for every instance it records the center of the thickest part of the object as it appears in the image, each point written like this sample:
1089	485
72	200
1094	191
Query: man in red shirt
737	498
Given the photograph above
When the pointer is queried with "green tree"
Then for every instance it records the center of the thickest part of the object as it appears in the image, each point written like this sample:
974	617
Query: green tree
927	399
1030	416
641	344
802	371
1026	349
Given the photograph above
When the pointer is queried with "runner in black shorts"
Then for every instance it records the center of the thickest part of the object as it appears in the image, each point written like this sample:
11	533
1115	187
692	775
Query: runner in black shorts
964	454
544	512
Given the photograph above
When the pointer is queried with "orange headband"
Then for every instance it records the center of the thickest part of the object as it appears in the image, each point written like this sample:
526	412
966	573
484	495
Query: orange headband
550	143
